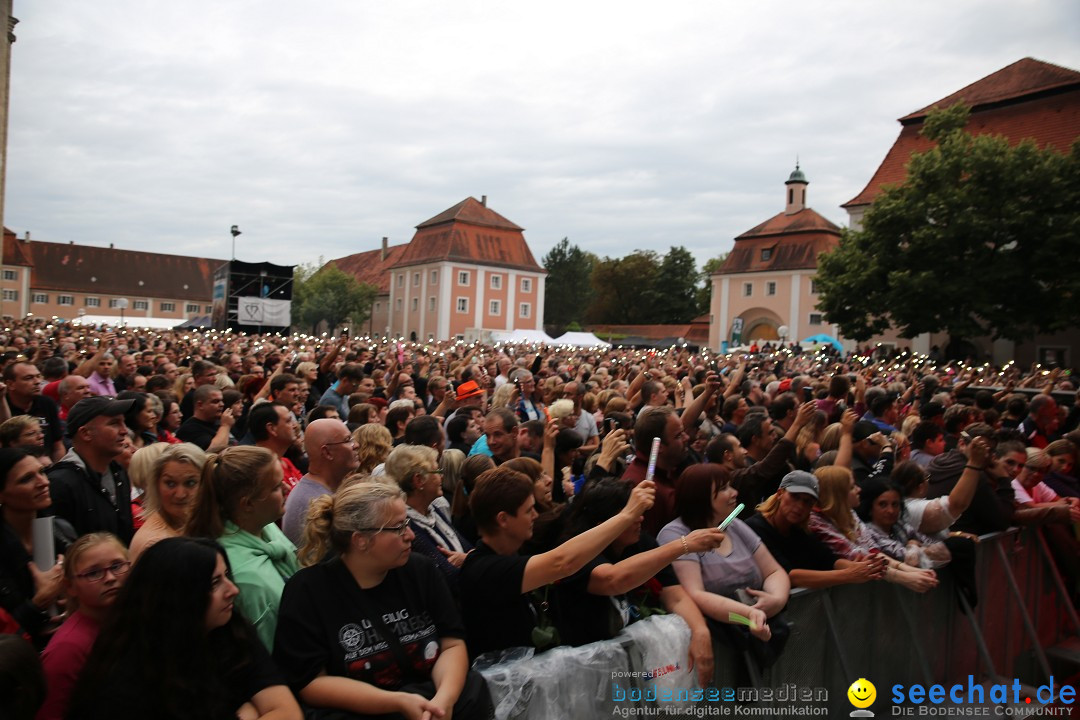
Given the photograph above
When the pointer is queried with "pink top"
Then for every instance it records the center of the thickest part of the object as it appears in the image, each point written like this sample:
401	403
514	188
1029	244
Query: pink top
63	660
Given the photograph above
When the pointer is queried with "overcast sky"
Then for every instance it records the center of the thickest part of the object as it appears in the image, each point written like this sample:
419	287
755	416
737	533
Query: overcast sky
319	127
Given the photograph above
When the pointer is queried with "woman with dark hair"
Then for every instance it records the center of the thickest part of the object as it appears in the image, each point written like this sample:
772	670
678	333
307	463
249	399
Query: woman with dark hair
548	525
882	510
141	419
26	592
170	419
567	450
240	501
497	584
172	647
740	576
630	578
373	631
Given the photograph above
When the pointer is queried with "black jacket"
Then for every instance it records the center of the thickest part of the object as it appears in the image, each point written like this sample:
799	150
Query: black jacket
79	497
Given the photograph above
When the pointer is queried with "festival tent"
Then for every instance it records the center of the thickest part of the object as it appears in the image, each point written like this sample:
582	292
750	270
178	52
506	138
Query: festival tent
129	321
581	339
521	336
823	339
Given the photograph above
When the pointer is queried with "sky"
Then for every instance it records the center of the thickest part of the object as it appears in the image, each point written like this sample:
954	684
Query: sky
320	127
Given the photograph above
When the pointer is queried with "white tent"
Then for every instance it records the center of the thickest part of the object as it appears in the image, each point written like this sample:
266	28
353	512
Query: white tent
131	322
581	339
521	336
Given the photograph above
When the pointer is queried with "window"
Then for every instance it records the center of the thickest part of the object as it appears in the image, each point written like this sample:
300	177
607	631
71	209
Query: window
10	275
192	308
766	253
65	299
815	318
209	309
397	304
496	282
494	307
401	280
770	288
142	305
168	307
463	305
11	294
526	285
114	303
416	279
463	277
747	289
813	287
378	306
525	310
434	277
39	298
431	304
415	304
93	302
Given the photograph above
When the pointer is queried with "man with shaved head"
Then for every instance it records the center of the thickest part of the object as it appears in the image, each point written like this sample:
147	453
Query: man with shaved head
332	457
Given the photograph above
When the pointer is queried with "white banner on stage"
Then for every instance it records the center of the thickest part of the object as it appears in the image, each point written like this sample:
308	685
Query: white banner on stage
263	311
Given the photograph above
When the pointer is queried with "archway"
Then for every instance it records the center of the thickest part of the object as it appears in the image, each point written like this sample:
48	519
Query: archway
760	324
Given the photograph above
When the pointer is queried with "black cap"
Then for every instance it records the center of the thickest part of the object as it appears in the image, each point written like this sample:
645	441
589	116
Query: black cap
89	408
864	429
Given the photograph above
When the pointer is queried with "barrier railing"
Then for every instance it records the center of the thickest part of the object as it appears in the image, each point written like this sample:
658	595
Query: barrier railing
877	631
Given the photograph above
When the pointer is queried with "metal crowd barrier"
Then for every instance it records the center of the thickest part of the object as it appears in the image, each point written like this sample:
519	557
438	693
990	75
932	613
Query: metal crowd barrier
1024	626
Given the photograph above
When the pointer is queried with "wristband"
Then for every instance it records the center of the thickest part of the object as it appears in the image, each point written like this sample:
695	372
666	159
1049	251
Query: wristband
685	547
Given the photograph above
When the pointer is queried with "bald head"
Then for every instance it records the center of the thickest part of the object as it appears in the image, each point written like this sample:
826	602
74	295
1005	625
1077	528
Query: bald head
331	451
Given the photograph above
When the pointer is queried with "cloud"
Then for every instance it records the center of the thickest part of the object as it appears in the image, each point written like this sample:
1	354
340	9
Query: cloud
321	128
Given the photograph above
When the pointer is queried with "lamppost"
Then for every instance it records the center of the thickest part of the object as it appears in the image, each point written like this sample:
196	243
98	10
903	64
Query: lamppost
122	303
782	331
234	230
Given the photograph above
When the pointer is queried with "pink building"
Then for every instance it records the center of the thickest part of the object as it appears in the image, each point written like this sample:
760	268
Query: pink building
765	288
466	272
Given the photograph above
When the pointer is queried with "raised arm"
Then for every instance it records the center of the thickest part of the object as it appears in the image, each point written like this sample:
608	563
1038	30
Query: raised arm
572	555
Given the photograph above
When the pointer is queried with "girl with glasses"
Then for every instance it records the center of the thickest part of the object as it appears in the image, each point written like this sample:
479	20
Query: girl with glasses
171	646
96	567
374	630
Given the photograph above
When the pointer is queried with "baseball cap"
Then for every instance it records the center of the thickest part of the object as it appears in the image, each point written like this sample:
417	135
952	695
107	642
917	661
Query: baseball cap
800	481
863	429
89	408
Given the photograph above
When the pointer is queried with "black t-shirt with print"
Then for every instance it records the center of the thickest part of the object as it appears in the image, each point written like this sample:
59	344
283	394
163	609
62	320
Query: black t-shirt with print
322	624
798	551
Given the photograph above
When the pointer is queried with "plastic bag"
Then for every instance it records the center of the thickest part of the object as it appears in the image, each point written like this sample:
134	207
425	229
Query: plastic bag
660	649
564	682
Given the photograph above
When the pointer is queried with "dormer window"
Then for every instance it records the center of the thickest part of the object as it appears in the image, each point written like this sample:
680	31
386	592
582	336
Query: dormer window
766	254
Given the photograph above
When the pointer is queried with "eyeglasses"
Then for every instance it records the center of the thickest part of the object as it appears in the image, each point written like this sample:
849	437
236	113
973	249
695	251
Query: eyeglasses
97	574
399	529
340	442
436	471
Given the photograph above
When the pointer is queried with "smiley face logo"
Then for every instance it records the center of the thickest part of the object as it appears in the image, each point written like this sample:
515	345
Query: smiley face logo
862	693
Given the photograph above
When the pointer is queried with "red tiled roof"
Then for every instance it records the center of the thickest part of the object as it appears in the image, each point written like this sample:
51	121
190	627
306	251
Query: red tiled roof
1024	77
85	268
472	233
14	250
369	266
473	212
796	240
1045	107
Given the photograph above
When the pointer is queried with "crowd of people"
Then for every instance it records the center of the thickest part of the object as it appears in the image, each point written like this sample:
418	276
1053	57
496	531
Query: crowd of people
269	526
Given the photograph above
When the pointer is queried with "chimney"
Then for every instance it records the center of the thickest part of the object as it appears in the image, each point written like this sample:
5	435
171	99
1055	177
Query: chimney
385	246
26	237
483	200
111	246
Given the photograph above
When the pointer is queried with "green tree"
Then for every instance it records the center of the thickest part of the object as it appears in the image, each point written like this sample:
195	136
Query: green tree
330	295
675	288
623	289
704	292
567	291
980	239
